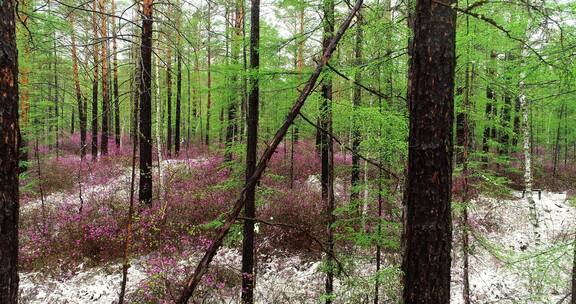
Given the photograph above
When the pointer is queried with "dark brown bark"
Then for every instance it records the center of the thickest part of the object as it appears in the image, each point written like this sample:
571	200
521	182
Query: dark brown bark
95	52
327	153
169	100
9	155
202	267
427	238
178	103
178	85
145	190
356	101
248	279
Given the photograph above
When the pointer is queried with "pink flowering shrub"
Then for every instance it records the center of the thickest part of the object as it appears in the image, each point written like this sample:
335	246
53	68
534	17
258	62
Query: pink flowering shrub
181	222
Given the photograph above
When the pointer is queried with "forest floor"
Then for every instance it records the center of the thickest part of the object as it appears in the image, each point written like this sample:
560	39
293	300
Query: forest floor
509	262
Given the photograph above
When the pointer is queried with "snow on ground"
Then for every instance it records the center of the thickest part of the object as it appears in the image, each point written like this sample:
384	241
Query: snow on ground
92	285
281	278
511	264
507	262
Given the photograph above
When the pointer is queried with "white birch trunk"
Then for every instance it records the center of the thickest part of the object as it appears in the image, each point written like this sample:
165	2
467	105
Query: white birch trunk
528	159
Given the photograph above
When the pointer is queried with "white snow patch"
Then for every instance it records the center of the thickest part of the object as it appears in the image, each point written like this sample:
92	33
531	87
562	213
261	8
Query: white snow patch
500	272
93	285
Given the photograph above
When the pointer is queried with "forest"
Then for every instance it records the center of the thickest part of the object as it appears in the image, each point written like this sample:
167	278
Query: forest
287	151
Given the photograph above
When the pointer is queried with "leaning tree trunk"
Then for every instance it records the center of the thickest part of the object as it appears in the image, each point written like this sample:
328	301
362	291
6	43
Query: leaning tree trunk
427	237
194	280
9	154
145	190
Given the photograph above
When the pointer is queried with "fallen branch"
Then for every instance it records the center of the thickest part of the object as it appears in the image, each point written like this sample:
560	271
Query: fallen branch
202	267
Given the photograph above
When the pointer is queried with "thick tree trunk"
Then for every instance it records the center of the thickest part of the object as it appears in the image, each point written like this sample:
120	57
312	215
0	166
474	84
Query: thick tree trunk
145	190
9	155
427	239
248	279
105	96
